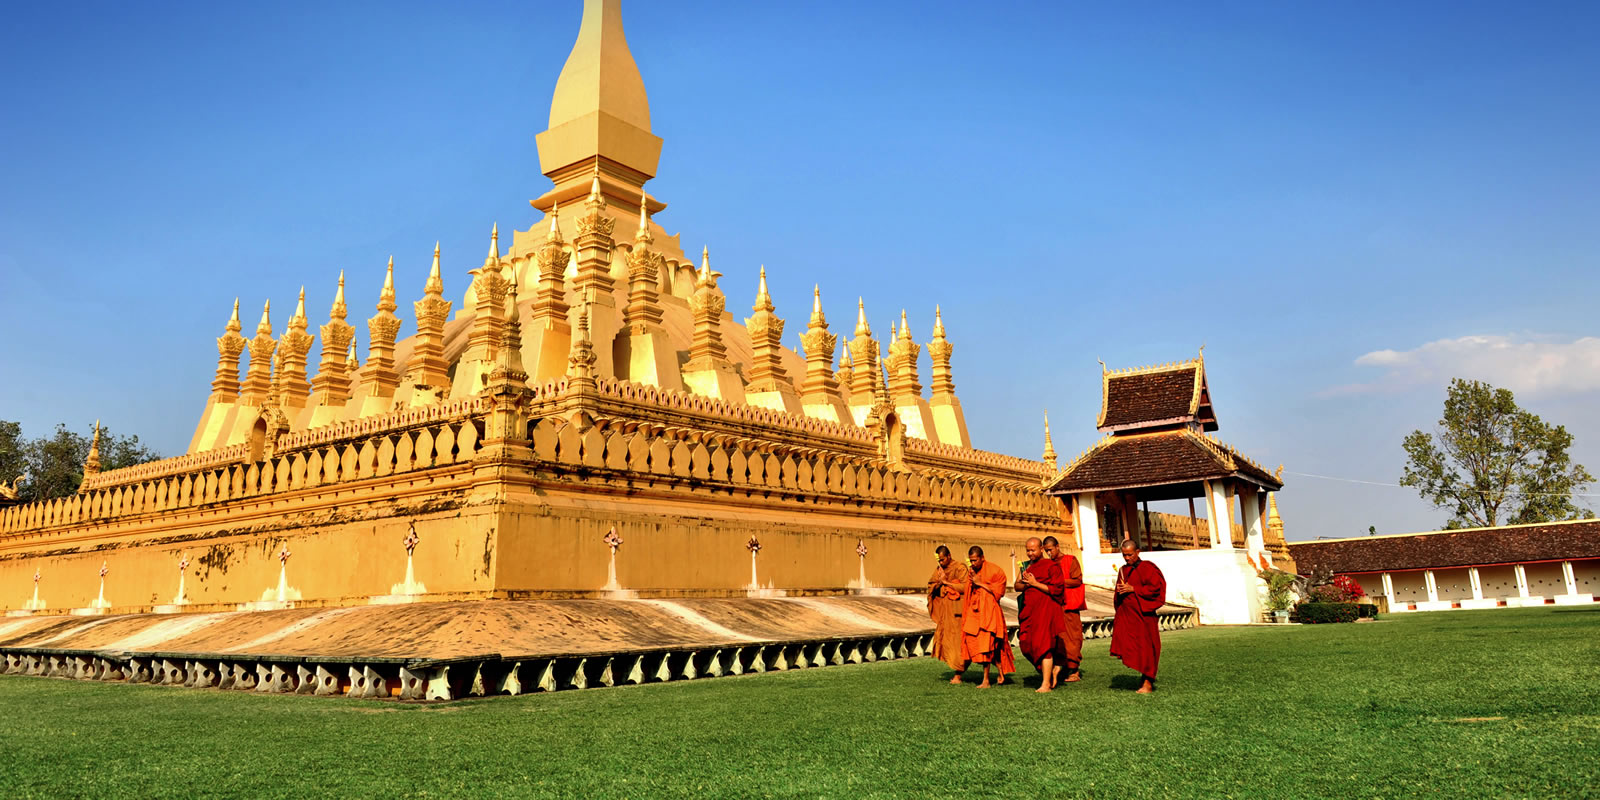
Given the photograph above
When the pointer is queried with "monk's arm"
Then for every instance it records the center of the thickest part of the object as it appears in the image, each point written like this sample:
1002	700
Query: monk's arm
1053	582
1152	589
1073	577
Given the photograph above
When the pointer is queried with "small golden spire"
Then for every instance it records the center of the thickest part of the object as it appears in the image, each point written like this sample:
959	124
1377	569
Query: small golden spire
339	309
494	245
705	264
763	298
555	222
644	218
1049	446
817	317
386	296
938	323
596	197
350	361
233	321
299	310
435	284
862	328
265	327
905	327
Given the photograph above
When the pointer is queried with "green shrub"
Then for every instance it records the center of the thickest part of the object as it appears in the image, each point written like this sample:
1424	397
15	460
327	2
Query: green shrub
1367	610
1316	613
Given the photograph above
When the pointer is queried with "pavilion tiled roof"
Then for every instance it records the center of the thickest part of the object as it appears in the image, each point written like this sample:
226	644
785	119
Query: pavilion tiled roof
1550	541
1157	459
1161	396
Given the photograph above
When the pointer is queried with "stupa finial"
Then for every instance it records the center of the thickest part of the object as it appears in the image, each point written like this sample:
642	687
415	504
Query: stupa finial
644	218
938	323
233	321
494	245
265	326
763	297
435	284
862	328
339	310
905	327
555	223
386	296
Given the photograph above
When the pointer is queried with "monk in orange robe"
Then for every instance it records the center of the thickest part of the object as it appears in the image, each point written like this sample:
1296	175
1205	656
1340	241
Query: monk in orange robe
984	638
1141	590
1073	602
946	589
1039	619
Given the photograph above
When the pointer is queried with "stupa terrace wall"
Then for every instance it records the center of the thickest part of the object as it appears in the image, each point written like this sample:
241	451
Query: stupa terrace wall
686	496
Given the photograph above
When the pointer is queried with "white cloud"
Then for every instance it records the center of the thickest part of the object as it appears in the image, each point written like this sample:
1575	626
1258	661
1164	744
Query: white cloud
1524	363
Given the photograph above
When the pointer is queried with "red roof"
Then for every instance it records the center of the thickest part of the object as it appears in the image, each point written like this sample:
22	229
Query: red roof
1157	459
1156	397
1550	541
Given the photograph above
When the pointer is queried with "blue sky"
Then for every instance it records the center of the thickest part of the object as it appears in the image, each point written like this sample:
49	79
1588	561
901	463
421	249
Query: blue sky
1348	204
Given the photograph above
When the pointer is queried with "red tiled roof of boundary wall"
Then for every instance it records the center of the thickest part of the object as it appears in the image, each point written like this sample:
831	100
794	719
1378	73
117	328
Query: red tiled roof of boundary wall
1552	541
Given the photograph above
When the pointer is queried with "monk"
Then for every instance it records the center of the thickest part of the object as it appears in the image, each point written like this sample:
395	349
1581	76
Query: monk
1069	654
1135	636
1039	619
984	638
946	589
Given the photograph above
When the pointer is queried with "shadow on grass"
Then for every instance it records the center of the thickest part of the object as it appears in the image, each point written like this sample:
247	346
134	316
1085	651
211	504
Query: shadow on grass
1590	610
1129	682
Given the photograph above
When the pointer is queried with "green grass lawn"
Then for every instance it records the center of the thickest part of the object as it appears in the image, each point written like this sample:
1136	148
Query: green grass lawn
1458	704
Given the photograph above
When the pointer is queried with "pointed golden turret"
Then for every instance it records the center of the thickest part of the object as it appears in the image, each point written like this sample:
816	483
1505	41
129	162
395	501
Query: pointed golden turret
845	373
506	426
508	361
948	419
599	113
904	381
378	378
258	380
1052	464
709	372
91	464
644	278
426	372
769	385
581	361
819	394
707	305
864	355
293	348
594	244
483	342
332	384
230	345
351	364
550	297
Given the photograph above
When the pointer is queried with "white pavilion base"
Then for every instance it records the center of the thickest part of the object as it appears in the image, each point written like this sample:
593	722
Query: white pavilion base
1485	602
1434	605
1220	582
92	611
1574	599
1519	602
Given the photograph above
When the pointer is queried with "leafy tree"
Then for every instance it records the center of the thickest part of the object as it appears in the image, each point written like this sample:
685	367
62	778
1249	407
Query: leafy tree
54	465
1493	463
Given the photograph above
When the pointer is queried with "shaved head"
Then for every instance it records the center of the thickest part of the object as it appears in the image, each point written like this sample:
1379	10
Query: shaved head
1033	541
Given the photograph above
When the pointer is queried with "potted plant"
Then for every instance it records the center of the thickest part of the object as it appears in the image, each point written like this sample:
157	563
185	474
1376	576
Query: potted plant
1280	588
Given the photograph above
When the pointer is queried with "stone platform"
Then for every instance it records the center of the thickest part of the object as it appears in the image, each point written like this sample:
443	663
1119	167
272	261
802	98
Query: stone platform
442	651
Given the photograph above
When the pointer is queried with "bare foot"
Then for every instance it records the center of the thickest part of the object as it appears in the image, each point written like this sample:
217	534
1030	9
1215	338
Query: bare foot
1073	678
983	685
1055	674
956	681
1147	688
1042	690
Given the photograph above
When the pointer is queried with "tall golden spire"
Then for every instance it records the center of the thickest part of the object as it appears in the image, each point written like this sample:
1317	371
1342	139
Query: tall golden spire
489	288
706	306
1049	446
427	367
225	386
819	392
91	464
599	112
904	382
939	351
644	274
332	383
378	378
582	358
864	355
766	334
550	294
594	243
258	380
293	348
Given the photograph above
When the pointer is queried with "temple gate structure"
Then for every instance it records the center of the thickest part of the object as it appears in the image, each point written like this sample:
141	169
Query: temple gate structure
1158	447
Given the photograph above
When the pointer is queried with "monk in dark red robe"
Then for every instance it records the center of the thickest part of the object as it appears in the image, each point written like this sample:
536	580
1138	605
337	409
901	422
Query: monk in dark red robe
1135	636
1070	652
984	637
1039	619
946	590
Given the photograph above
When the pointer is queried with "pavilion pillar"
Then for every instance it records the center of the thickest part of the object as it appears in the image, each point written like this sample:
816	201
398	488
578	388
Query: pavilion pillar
1522	580
1433	587
1477	583
1088	525
1219	514
1255	540
1388	589
1570	578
